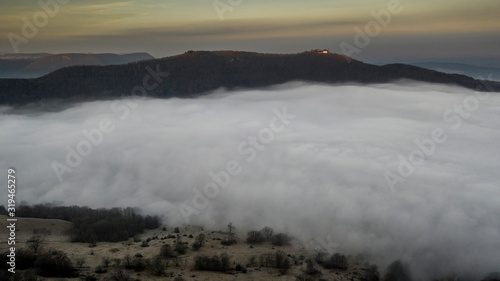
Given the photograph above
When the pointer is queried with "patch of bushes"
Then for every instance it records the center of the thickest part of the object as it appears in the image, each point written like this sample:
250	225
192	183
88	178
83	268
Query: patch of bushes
128	262
139	264
120	275
28	275
100	269
158	265
336	261
281	239
180	248
267	234
372	273
54	264
215	263
398	271
278	259
198	242
255	237
25	259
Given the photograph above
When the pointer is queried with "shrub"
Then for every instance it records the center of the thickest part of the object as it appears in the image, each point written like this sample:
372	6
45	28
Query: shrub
255	237
215	263
25	259
336	261
176	230
128	261
106	261
311	269
167	252
139	264
180	248
279	258
281	239
285	266
397	271
100	269
120	275
54	264
28	275
266	260
320	257
158	265
372	273
198	242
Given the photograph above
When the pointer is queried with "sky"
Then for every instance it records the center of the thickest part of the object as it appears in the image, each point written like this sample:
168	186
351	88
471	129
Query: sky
309	160
415	30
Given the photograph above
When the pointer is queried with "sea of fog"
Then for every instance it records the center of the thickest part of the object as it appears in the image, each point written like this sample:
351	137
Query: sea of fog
396	171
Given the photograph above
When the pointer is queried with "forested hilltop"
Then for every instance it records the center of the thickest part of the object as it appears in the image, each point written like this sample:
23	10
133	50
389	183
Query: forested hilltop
93	225
193	73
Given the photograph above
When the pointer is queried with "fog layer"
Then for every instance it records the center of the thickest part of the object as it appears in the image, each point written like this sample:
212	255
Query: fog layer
392	171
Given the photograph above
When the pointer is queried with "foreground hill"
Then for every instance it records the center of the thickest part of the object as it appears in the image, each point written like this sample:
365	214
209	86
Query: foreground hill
37	65
194	73
246	261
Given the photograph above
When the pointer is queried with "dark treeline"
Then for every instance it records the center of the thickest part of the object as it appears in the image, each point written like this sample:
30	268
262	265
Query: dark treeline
94	225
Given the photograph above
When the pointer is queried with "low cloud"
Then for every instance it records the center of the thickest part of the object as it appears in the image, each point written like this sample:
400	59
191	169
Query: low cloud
321	177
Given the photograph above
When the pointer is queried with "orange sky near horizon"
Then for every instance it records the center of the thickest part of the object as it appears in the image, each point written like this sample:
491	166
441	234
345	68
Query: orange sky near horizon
168	27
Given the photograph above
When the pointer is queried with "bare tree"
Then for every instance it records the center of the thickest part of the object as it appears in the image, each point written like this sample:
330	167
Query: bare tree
166	251
255	237
158	265
397	271
267	232
128	261
230	227
35	243
229	240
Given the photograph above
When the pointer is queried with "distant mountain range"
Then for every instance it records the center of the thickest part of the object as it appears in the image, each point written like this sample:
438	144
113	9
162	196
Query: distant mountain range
473	71
194	73
37	65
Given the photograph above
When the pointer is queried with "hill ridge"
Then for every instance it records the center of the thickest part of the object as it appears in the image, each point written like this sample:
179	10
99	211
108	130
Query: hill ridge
196	72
